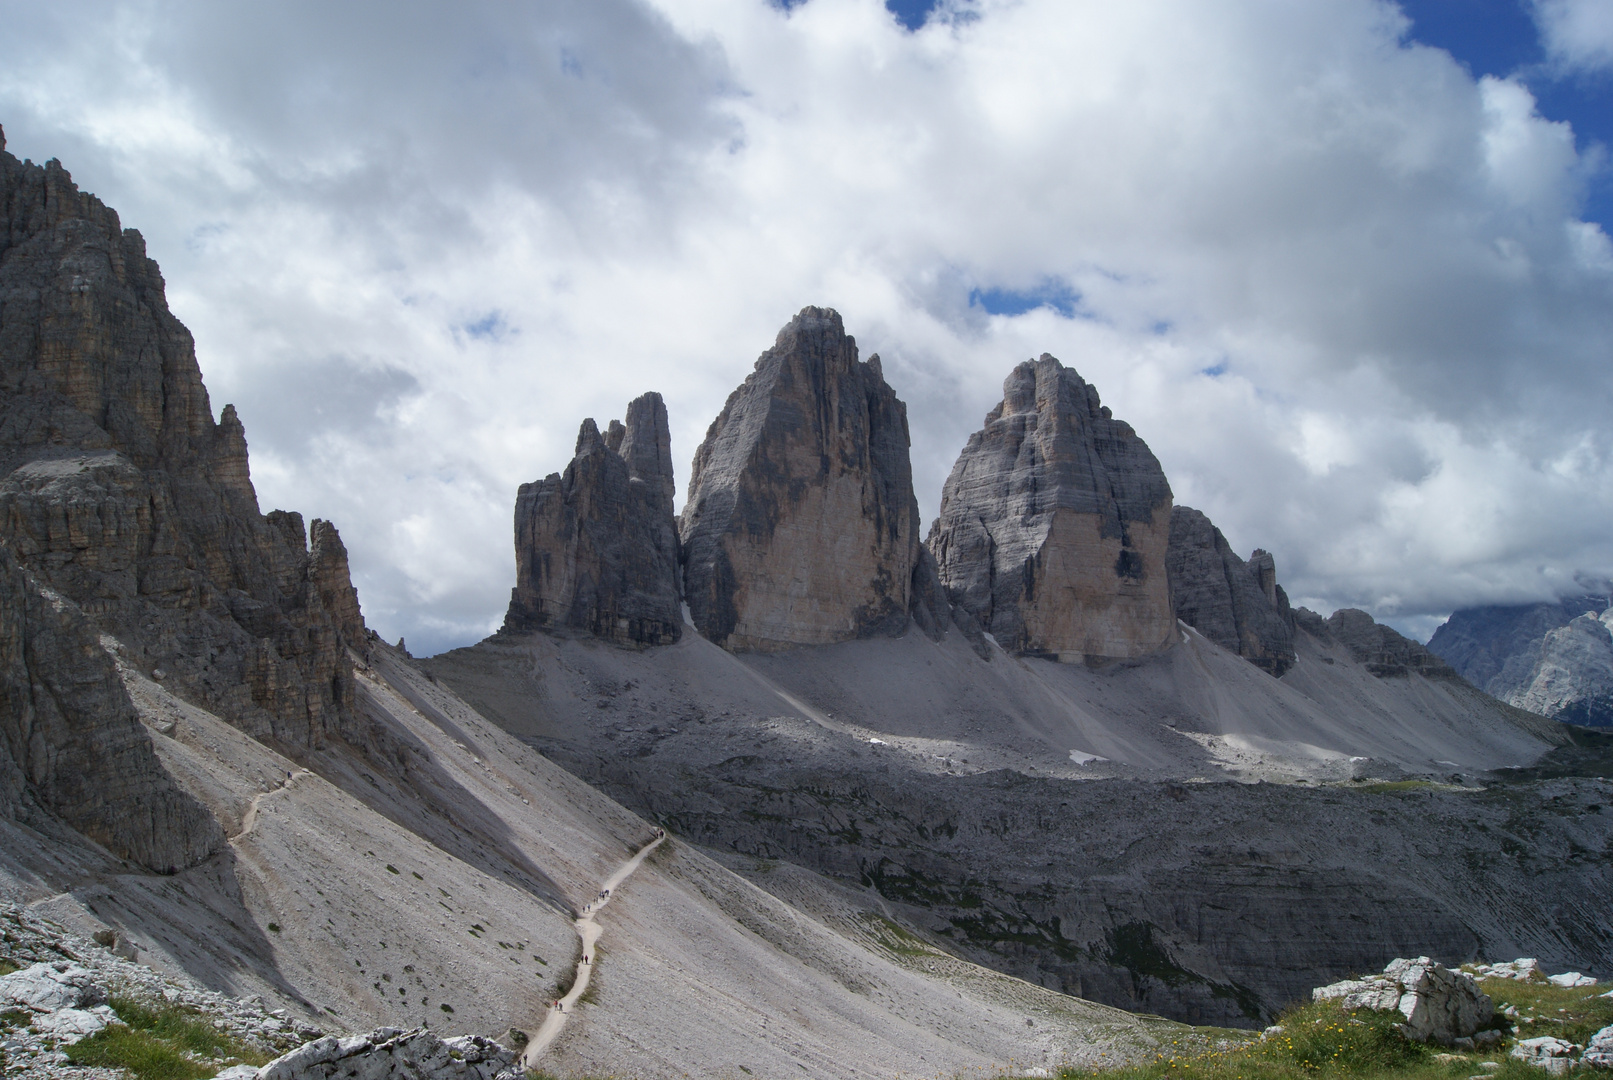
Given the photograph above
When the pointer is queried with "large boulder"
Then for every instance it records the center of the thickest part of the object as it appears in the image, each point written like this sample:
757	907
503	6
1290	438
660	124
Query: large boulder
1055	523
596	548
392	1054
48	986
1437	1004
801	526
1236	604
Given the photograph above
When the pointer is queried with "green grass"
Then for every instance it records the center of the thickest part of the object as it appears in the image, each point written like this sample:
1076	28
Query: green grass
161	1042
1390	786
1582	1010
7	967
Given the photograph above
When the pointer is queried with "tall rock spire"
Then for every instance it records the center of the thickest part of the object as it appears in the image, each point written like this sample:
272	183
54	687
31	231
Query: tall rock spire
596	548
801	526
1054	524
1236	604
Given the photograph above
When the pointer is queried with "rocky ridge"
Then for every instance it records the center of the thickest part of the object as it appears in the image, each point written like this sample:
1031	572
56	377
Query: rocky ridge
125	509
1382	649
1054	525
596	548
1236	604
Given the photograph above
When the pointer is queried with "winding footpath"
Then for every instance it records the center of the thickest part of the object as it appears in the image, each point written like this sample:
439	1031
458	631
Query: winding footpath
588	930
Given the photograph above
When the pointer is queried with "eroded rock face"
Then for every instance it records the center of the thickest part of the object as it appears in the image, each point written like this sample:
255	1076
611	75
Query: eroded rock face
386	1053
801	526
596	548
1235	604
125	508
1385	651
1438	1004
1055	523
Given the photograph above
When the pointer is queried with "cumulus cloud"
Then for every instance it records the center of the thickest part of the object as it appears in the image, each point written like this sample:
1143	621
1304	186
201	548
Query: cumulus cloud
1341	287
1577	34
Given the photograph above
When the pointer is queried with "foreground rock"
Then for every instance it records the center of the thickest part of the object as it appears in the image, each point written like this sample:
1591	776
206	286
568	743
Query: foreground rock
596	548
801	526
1547	1052
1236	604
1439	1005
1054	525
1599	1051
389	1052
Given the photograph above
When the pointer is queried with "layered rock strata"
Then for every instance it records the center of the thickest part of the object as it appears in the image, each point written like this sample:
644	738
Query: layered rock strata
126	509
1236	604
1383	650
801	526
596	548
1555	659
1055	523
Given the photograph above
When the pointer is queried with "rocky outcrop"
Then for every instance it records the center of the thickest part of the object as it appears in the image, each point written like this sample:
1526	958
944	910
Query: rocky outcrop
1384	651
1054	525
1236	604
801	526
596	548
386	1053
119	492
1599	1050
1438	1004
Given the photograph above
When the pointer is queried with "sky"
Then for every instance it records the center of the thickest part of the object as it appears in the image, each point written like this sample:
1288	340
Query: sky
1344	266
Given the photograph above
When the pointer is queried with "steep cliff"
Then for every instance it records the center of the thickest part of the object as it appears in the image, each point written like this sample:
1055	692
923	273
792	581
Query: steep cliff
126	510
1055	522
596	549
1235	604
1555	659
801	526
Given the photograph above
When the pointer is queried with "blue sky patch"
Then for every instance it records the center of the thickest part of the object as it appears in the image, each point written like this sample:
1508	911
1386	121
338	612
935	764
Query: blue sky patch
490	327
1052	294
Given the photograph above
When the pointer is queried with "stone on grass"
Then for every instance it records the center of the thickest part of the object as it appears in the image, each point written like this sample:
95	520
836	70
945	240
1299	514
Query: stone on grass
47	987
1554	1055
1438	1004
1599	1051
1568	980
1523	969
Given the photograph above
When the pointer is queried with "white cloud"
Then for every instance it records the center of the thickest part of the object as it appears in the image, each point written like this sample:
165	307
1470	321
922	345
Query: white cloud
1577	34
416	250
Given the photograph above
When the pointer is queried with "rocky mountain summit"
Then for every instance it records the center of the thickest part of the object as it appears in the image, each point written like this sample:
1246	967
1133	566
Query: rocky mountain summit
1236	604
1383	650
1054	525
126	509
801	526
1555	659
596	549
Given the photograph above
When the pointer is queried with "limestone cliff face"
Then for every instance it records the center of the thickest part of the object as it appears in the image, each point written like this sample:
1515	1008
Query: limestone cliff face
1385	651
596	549
801	526
119	492
1055	523
1236	604
71	742
1554	659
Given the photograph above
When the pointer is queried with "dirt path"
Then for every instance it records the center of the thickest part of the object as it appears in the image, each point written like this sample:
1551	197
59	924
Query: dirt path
250	818
588	930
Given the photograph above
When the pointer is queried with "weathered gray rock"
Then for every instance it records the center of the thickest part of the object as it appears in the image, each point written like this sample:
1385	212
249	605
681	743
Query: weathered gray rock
1547	1052
1538	657
1438	1004
120	492
1599	1050
46	987
801	526
387	1053
596	549
1384	651
1523	969
1235	604
1055	523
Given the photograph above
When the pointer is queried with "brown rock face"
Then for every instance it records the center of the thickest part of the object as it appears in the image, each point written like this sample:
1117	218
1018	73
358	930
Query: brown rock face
596	549
1236	604
1054	525
801	526
119	492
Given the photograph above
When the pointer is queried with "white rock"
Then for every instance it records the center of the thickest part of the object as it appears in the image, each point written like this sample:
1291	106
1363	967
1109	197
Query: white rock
388	1052
1599	1051
1523	969
238	1072
1570	979
1439	1005
46	987
1554	1055
71	1025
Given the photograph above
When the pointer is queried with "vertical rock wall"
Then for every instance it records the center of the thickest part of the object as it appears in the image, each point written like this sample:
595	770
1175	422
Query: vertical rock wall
801	526
596	549
1235	604
1054	525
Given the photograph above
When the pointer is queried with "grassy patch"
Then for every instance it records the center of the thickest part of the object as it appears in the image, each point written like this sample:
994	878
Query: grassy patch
7	967
162	1042
1391	786
16	1018
1544	1009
